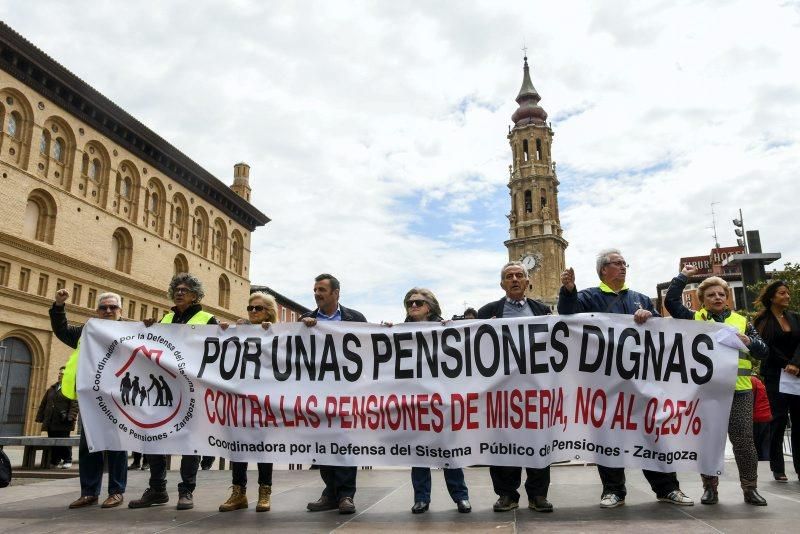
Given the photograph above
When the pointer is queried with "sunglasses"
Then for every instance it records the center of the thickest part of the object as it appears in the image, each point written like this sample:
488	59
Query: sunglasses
416	302
111	308
257	308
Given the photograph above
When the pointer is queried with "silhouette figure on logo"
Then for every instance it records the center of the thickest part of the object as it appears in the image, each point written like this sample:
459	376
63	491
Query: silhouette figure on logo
159	392
166	390
125	388
143	395
135	388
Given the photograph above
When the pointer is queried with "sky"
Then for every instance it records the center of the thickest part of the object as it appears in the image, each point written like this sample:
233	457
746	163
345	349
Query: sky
376	131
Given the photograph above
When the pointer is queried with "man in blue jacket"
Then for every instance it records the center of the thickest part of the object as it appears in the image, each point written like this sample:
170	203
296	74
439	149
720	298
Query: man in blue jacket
614	296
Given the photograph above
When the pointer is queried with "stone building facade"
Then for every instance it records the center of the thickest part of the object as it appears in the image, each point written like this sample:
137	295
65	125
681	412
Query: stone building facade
534	228
94	201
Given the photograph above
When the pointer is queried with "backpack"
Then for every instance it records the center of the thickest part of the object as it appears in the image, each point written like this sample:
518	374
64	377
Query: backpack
5	470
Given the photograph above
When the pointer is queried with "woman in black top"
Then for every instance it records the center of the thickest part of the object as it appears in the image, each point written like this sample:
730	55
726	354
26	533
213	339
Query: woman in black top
780	329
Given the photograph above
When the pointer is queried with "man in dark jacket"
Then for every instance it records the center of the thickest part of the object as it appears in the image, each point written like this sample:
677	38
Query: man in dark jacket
340	482
58	414
613	296
506	479
90	466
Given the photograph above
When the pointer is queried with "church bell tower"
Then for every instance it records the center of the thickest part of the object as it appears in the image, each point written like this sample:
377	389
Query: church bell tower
534	227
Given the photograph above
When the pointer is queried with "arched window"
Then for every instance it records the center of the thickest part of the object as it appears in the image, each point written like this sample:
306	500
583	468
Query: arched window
525	150
180	264
219	240
224	291
154	206
40	216
121	250
58	159
543	197
179	223
94	170
44	143
13	120
237	252
58	150
538	149
127	191
200	232
16	137
528	202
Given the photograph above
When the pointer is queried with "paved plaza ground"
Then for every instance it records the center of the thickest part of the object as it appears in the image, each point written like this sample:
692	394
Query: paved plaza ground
384	500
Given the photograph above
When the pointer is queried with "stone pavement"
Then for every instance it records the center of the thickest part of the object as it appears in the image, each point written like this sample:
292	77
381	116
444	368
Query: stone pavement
384	500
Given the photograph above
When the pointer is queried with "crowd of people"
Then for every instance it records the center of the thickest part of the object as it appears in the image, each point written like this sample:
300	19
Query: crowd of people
773	337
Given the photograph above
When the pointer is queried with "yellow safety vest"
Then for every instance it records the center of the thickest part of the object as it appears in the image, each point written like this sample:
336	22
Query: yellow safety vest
201	317
739	322
70	372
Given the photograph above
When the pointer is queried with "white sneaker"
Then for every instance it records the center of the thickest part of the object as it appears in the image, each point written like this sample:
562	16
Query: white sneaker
66	465
611	500
677	497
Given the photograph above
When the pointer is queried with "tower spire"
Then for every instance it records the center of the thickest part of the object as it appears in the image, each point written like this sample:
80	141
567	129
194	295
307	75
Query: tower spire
529	110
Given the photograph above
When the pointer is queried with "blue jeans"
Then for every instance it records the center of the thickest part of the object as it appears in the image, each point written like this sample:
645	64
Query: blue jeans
90	469
454	478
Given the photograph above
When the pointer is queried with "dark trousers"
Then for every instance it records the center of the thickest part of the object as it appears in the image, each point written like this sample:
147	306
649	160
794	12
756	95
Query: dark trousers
59	453
240	474
506	480
340	482
784	408
613	479
90	470
158	472
206	462
453	478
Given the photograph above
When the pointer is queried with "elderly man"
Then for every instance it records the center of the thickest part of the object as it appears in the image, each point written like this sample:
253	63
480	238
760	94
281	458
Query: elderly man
506	480
340	482
90	466
613	296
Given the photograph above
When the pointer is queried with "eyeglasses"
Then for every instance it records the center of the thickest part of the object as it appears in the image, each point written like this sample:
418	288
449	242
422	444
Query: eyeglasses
181	290
257	308
111	308
619	263
416	302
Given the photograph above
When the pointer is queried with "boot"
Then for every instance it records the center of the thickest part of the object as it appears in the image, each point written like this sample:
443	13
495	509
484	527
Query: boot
236	501
751	495
710	494
264	495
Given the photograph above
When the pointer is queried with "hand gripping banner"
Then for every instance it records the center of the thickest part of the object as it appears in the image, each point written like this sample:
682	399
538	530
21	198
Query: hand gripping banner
518	392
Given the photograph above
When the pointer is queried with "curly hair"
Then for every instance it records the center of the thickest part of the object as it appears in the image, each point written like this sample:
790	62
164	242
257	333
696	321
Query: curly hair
191	281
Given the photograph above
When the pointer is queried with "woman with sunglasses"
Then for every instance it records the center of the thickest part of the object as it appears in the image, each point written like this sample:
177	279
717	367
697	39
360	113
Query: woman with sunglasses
780	329
421	305
713	294
262	309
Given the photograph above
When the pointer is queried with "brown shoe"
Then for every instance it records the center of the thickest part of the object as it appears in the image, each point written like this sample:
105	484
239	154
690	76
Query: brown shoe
264	497
113	501
84	500
347	506
236	501
324	503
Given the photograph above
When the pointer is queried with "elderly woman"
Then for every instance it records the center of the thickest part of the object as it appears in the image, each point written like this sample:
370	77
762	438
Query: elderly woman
186	292
713	295
262	309
421	305
780	329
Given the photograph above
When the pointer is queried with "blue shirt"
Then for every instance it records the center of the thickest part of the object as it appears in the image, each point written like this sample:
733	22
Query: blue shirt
337	315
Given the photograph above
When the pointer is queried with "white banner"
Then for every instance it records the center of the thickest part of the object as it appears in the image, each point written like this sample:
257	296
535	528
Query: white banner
526	392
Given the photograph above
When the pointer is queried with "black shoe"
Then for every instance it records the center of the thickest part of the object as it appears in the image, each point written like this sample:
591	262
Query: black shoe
134	466
540	504
324	503
464	506
149	498
420	507
505	504
145	466
710	496
751	496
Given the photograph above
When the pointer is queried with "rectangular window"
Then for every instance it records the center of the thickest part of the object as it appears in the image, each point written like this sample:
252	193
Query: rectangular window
43	283
24	278
91	298
76	294
154	315
294	316
60	284
131	309
283	314
143	312
5	268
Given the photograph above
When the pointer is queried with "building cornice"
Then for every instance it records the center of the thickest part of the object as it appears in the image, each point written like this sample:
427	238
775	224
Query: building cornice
31	66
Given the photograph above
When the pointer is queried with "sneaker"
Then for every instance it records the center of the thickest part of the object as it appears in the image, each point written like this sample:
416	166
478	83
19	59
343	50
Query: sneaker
236	501
83	500
66	465
149	498
347	506
113	501
324	503
540	504
505	504
677	497
264	498
611	500
185	501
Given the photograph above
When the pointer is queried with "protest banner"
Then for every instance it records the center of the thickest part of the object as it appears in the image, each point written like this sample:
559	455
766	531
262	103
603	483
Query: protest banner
526	392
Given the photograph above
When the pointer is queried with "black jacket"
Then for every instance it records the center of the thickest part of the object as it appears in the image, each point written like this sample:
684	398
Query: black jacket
348	314
495	309
67	333
56	412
